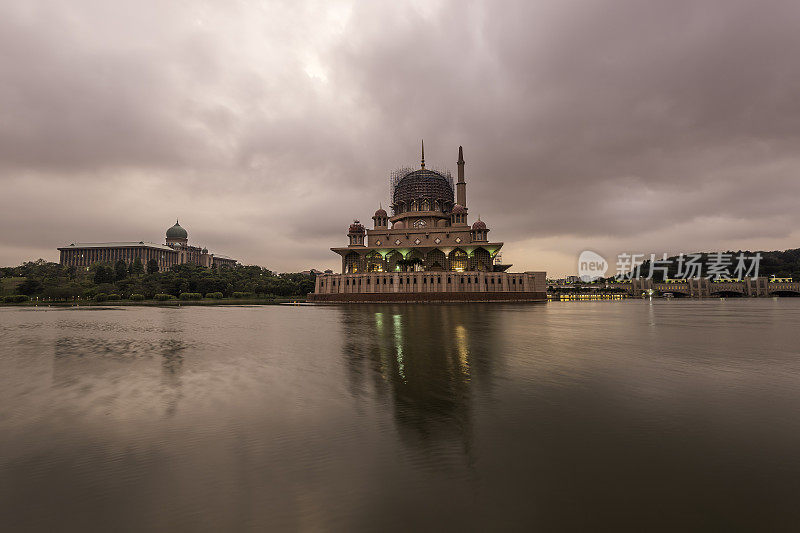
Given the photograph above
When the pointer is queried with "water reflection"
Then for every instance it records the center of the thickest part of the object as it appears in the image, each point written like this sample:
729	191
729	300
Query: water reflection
90	356
556	417
426	359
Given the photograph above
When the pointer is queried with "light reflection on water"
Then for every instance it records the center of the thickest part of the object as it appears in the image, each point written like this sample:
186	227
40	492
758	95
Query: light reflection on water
646	415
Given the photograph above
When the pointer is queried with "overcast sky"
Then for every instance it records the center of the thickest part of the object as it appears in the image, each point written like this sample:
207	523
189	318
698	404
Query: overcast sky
267	127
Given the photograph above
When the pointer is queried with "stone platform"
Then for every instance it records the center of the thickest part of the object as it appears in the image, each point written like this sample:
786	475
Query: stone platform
428	297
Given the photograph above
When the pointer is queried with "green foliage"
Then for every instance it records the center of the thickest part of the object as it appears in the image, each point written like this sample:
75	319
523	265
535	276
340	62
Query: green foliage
152	266
136	297
113	297
100	297
120	270
103	273
239	294
137	268
8	285
15	298
191	296
56	282
68	290
163	297
30	287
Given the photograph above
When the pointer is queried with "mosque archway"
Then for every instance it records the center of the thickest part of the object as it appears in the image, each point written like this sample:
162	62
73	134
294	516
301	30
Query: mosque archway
436	260
352	263
458	260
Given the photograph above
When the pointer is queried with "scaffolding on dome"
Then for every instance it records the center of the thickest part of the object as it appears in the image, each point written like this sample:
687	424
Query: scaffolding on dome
400	173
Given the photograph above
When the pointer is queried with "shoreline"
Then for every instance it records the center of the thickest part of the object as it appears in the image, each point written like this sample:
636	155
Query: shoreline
157	303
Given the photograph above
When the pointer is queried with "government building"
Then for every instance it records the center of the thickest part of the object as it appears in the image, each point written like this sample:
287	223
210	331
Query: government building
426	250
176	251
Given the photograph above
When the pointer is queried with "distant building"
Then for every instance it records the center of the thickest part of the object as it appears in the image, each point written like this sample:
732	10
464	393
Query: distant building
176	251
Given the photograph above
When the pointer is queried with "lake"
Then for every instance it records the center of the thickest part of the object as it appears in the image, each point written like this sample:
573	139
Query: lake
645	415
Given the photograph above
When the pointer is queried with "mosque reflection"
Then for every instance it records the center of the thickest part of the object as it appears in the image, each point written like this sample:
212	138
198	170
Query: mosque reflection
428	360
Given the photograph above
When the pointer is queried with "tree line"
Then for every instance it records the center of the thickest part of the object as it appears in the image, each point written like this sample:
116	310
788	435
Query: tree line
781	264
54	281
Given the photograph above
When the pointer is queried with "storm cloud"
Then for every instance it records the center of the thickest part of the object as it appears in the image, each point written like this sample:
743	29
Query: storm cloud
266	127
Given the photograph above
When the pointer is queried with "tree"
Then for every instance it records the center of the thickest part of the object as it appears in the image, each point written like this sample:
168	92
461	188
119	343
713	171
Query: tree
137	268
30	286
152	266
103	274
121	270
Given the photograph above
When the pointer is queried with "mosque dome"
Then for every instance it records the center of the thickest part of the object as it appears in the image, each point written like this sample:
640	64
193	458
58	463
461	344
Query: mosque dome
423	184
381	212
177	232
459	209
479	224
356	227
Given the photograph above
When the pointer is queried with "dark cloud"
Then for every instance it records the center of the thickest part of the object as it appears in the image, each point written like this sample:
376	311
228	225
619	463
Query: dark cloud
616	126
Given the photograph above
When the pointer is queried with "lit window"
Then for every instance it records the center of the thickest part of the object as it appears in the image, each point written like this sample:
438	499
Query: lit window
458	261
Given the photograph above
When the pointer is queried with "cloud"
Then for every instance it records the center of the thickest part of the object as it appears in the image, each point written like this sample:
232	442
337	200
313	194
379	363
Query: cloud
267	127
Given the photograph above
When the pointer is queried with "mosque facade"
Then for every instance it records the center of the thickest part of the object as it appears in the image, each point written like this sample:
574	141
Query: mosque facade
426	249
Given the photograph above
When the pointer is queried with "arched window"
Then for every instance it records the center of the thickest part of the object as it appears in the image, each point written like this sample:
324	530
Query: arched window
483	260
352	263
435	260
415	262
392	260
375	262
458	260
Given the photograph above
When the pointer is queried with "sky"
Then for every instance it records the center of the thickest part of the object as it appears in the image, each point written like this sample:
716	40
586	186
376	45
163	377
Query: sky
617	126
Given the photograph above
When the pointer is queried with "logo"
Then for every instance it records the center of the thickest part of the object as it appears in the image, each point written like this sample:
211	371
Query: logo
591	266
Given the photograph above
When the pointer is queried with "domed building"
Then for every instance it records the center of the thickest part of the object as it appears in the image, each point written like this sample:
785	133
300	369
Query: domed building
177	234
178	240
425	246
176	251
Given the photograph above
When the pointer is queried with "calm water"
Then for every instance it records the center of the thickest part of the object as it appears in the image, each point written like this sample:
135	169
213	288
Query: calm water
590	415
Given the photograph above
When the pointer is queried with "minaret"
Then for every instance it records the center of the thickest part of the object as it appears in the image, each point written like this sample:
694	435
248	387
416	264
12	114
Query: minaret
423	154
461	186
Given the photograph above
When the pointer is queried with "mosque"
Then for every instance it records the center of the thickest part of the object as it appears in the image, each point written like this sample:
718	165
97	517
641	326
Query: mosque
426	250
175	251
